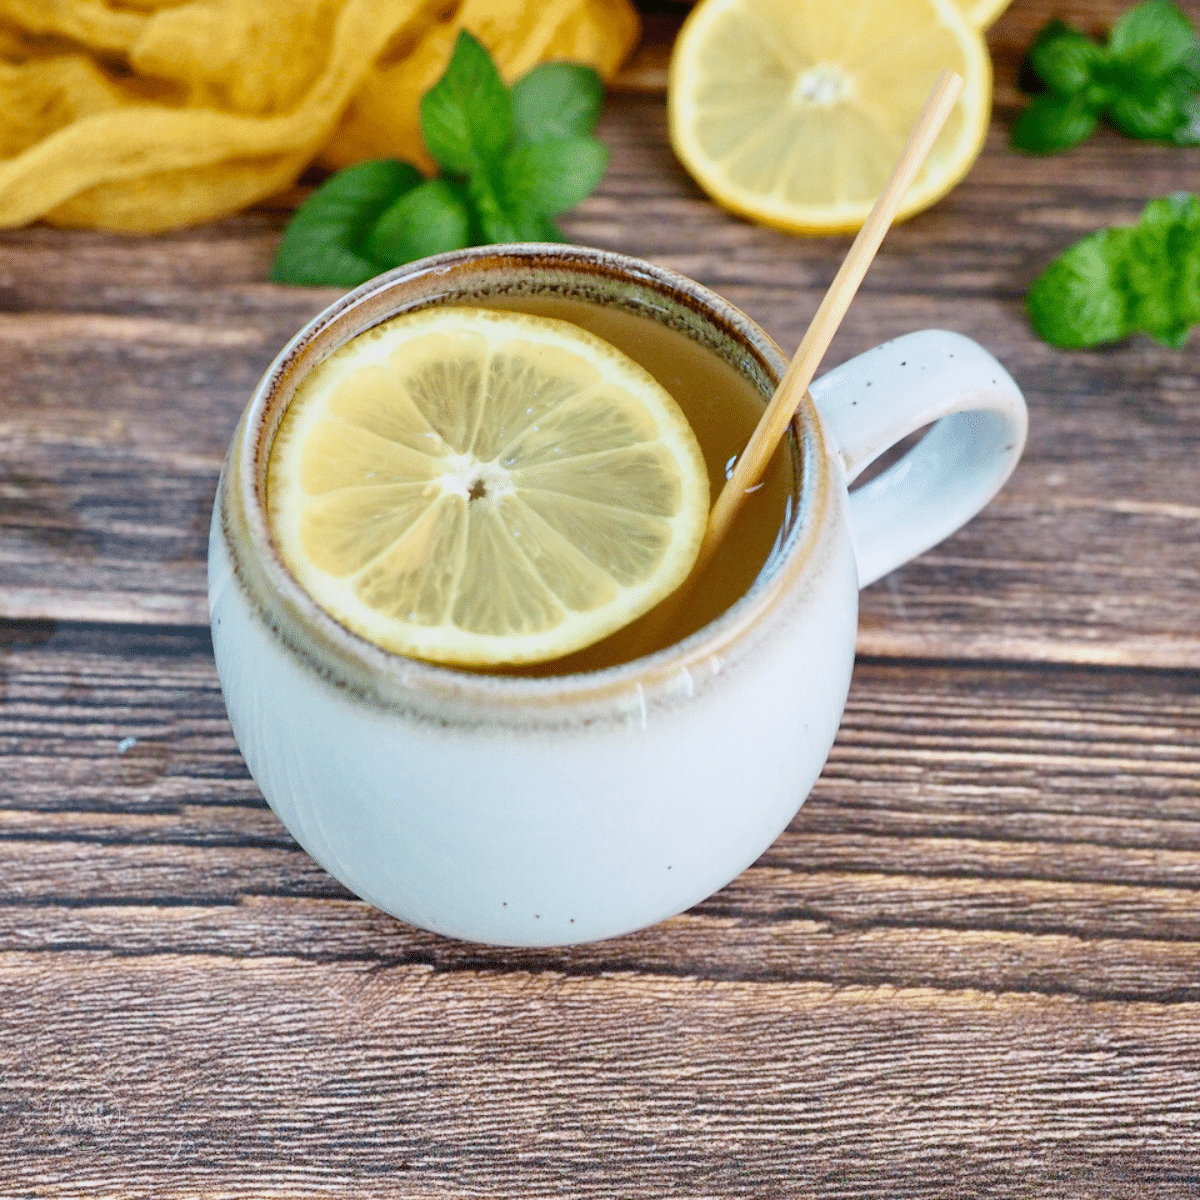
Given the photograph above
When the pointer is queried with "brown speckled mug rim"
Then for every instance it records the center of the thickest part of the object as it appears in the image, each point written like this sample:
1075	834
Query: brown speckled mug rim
578	272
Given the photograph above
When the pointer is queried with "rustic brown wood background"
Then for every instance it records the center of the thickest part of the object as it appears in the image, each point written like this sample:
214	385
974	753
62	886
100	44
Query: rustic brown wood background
970	968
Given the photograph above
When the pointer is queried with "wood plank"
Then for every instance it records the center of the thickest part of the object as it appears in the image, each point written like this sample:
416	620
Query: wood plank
991	828
127	360
888	947
173	1076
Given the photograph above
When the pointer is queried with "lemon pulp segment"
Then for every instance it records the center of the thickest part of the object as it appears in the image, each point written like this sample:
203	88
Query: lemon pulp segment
793	112
482	488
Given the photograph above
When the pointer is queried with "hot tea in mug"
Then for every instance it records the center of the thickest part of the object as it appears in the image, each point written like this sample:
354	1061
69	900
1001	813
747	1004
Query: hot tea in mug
594	793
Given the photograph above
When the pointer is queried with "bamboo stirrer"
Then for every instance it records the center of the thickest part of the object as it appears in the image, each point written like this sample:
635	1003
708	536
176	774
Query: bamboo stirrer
752	462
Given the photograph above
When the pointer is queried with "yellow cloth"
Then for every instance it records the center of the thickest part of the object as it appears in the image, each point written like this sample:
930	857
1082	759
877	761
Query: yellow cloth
144	115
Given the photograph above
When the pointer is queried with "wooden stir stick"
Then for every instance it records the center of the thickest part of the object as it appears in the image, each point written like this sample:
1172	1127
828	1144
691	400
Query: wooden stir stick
752	463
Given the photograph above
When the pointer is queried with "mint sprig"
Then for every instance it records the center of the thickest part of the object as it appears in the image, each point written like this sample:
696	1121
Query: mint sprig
323	241
466	117
1144	81
1126	279
511	160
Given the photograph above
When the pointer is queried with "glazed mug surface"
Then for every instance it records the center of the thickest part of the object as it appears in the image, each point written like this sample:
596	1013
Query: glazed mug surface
566	808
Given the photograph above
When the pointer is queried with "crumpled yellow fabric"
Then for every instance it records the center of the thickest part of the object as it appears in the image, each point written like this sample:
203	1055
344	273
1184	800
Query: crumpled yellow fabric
144	115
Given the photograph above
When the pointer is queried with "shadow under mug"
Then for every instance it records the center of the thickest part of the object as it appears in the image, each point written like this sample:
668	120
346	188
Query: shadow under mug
541	811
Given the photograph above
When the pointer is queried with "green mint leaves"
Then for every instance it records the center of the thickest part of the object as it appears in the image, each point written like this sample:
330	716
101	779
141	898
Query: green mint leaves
510	162
466	117
322	242
556	100
1144	81
1127	279
1130	278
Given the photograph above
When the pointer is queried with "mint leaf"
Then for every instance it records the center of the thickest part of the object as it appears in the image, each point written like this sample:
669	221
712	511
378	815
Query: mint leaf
1118	281
1154	115
1153	39
502	222
1028	80
1187	74
1065	60
462	193
430	219
1187	132
516	201
534	227
1160	216
322	244
552	176
1079	300
556	100
1051	124
466	117
1144	81
1164	268
509	163
537	227
484	192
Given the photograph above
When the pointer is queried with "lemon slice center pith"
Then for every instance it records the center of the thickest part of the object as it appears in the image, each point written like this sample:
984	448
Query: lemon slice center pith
482	488
822	86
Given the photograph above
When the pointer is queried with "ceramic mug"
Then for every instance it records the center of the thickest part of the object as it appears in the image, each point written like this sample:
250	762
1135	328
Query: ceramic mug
541	811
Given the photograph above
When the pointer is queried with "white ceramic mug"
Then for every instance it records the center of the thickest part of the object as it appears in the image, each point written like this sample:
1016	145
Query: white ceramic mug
540	811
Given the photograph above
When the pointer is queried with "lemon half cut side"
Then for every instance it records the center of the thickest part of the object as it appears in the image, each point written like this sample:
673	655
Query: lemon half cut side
484	488
793	112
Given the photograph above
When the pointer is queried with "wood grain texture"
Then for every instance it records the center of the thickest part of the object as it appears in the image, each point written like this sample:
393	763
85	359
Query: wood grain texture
275	1078
126	362
998	829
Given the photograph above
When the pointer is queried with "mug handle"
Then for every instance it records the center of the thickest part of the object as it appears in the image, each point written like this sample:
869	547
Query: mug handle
869	403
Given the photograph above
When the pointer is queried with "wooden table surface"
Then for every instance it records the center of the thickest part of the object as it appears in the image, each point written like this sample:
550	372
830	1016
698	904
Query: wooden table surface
970	967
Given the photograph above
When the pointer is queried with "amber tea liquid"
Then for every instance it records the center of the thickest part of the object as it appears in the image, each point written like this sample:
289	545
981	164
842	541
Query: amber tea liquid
723	408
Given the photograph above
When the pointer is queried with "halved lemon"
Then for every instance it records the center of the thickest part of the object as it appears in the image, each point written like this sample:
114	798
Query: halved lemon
481	488
793	112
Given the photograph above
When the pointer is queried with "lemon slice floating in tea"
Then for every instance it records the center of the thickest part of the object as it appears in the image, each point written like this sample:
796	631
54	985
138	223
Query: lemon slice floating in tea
482	488
792	112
